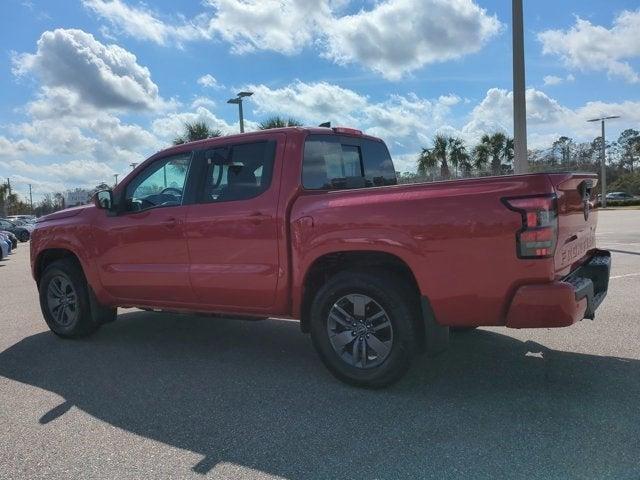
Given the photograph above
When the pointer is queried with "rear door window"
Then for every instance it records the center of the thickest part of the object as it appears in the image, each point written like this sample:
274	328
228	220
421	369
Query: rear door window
332	162
237	172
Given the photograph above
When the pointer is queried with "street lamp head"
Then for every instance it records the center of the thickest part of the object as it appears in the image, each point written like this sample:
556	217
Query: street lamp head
234	100
245	94
599	119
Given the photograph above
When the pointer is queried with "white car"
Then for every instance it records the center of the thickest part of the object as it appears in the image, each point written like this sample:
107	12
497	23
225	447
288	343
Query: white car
5	248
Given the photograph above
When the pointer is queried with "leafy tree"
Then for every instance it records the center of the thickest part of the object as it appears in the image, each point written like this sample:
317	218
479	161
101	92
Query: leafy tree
563	148
4	189
196	131
279	122
627	182
628	148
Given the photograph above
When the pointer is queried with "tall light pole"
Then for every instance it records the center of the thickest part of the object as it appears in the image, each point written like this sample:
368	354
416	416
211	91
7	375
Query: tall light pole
238	101
603	160
115	175
521	162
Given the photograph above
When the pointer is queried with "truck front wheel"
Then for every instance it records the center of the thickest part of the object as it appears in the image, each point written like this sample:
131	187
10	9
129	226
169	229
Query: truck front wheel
362	326
66	303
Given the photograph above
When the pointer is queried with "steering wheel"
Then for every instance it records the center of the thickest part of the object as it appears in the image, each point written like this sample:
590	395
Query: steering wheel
172	189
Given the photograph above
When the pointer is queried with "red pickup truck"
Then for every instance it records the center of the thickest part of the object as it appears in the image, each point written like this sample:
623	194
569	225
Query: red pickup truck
309	224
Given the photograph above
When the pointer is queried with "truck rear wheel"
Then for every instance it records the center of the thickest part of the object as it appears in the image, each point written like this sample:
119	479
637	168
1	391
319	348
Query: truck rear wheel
65	301
362	326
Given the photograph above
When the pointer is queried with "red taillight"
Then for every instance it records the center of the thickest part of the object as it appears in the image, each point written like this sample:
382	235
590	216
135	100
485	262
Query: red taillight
539	233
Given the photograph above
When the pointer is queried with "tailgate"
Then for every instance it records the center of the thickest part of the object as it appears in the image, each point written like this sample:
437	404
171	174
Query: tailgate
577	219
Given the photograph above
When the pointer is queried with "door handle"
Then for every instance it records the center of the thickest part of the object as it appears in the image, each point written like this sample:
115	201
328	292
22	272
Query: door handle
170	223
257	217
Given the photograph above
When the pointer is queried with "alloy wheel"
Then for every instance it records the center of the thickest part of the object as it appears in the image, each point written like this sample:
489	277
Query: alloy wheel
360	331
62	301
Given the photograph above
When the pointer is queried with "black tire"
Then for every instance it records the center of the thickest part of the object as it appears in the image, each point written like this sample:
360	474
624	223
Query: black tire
76	318
462	329
23	236
388	293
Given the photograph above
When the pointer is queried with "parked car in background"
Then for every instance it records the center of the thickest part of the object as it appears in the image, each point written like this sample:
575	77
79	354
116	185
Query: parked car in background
12	238
29	225
22	233
621	197
5	246
24	218
310	224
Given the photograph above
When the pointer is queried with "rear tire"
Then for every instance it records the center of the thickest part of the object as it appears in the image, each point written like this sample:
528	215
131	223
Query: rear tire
23	236
65	300
362	326
462	329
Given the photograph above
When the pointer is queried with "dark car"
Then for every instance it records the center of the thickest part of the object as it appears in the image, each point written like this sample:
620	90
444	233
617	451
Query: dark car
20	232
621	196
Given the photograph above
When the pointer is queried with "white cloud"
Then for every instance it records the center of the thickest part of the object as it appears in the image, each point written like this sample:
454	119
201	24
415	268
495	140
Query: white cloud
547	119
282	26
552	80
586	46
65	143
392	38
403	121
103	76
75	172
313	103
171	125
209	81
202	102
141	23
399	36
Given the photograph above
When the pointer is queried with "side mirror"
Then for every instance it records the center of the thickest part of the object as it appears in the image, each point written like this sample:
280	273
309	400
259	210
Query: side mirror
103	199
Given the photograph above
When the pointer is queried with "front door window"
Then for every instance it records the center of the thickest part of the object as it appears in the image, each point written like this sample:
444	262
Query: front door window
161	184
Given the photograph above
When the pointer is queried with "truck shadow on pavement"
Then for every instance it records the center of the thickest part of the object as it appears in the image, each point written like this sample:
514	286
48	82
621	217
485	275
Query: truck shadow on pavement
255	394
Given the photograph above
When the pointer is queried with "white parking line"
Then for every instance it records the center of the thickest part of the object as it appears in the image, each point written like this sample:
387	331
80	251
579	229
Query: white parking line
624	276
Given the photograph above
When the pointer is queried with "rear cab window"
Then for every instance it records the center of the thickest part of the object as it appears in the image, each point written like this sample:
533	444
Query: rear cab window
334	162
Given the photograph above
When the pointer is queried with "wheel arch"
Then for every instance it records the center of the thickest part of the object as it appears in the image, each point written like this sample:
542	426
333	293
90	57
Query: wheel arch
48	256
329	264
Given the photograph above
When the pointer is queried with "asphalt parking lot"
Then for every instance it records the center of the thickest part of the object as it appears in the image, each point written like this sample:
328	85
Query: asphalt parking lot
171	396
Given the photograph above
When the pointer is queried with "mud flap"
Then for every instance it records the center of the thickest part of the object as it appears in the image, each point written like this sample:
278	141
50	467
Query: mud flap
436	336
99	313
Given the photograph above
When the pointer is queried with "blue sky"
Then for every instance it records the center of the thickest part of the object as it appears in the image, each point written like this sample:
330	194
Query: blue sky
89	86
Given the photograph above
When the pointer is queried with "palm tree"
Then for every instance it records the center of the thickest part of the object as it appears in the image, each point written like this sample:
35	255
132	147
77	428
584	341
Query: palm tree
196	131
481	155
279	122
459	155
445	151
434	156
498	148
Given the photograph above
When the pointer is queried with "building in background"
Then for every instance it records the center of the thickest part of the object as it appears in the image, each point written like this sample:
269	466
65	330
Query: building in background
75	197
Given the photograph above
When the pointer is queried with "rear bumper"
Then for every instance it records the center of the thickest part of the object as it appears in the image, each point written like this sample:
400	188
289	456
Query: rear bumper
565	302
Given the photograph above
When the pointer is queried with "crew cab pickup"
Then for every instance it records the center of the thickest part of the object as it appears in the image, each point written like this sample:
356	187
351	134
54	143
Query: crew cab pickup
310	224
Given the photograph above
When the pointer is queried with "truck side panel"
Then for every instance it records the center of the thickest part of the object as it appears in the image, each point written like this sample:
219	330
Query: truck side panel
457	237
